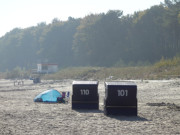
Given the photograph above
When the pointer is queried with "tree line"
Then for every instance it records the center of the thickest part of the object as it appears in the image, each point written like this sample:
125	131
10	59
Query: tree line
105	39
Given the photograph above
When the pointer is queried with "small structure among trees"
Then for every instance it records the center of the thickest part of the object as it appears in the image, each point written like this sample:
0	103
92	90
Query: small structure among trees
47	68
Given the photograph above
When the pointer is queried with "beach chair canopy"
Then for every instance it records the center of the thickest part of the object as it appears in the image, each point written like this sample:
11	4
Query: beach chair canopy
48	96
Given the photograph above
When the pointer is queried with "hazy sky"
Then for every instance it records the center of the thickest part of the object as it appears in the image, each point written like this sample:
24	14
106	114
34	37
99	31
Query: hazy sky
26	13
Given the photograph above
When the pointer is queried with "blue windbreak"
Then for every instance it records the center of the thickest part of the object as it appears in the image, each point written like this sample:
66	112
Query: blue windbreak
48	96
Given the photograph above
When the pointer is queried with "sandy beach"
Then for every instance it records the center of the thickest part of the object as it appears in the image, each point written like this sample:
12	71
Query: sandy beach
158	111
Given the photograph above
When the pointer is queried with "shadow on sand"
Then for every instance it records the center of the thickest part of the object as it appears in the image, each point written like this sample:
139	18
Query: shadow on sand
88	110
128	118
117	117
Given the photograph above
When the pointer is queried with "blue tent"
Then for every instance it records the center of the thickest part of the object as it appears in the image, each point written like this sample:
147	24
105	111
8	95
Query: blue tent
48	96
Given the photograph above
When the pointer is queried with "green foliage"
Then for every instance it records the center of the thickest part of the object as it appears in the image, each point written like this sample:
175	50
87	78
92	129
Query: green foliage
165	64
98	40
179	17
16	73
138	16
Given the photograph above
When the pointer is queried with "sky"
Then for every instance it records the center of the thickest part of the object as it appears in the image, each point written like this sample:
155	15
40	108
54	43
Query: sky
27	13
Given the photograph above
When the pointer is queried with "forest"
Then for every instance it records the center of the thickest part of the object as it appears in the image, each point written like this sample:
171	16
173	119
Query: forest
100	40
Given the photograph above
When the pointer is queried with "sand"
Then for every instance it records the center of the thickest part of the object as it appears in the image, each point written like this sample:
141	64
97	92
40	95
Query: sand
158	111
